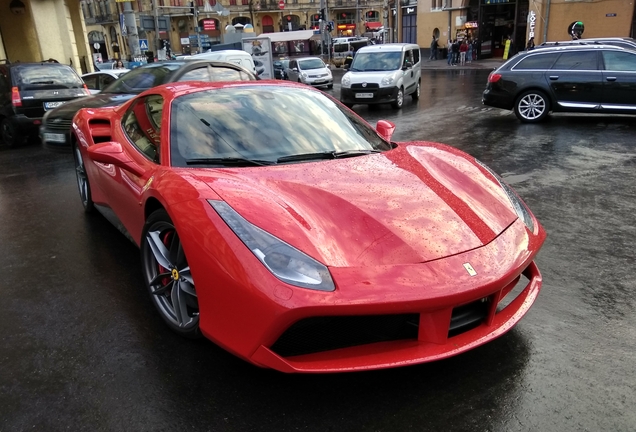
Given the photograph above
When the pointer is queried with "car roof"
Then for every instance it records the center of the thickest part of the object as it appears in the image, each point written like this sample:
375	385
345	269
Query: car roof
388	47
577	47
182	88
306	58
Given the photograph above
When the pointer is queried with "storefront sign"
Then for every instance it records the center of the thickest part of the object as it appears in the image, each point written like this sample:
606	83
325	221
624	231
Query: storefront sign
209	24
410	10
346	27
471	25
532	22
185	41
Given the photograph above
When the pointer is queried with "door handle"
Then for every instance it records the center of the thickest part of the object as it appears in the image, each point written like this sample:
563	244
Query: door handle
610	78
554	77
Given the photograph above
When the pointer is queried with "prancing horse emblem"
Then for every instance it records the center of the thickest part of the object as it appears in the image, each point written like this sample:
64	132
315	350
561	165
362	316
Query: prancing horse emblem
471	271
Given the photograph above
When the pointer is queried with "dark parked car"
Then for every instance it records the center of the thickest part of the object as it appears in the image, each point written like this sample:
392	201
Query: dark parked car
280	68
576	78
27	90
56	124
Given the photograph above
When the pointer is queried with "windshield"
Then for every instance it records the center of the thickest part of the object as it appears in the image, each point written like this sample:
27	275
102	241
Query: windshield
311	64
143	78
40	76
377	61
264	123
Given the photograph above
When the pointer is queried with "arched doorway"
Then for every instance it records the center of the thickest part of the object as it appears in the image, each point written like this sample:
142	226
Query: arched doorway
99	52
268	24
241	20
114	43
291	23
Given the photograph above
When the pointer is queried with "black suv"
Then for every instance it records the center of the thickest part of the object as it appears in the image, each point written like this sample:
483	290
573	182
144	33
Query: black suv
56	125
577	78
27	90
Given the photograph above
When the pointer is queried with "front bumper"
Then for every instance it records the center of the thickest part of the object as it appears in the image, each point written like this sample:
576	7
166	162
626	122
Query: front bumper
250	318
56	135
319	82
380	95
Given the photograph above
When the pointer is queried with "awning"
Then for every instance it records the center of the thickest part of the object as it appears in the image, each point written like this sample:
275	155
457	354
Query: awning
289	35
373	25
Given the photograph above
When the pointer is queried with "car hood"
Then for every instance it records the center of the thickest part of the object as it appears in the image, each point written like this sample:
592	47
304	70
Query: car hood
413	204
319	71
69	109
374	77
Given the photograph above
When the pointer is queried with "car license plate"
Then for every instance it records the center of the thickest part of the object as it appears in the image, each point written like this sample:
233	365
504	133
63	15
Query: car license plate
53	137
364	95
51	105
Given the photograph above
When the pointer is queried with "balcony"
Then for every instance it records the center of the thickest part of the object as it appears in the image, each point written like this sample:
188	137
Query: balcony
102	19
352	4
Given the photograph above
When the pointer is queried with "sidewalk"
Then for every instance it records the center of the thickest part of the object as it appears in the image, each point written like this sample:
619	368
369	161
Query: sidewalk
487	64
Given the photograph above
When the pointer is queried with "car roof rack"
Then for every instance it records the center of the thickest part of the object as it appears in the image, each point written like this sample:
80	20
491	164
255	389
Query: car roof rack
572	42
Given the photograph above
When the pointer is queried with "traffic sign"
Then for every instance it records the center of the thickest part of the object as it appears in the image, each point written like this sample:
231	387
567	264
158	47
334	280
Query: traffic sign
143	44
281	4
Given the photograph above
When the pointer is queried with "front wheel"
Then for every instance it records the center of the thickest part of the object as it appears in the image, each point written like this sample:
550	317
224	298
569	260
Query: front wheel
532	106
416	94
167	275
82	181
399	100
330	86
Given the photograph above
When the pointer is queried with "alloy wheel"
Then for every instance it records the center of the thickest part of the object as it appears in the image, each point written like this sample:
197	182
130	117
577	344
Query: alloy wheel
168	277
531	106
82	180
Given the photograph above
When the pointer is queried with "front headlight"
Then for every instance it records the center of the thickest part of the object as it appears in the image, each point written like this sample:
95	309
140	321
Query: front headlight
284	261
520	208
346	80
388	80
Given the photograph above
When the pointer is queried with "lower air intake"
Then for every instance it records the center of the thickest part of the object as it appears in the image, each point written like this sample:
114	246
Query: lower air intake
467	317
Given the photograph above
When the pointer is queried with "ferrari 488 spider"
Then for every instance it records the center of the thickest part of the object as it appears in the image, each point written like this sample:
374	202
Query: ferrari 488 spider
277	223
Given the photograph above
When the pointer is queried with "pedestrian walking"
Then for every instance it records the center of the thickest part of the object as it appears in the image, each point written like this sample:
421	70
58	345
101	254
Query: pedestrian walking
449	61
433	49
455	52
469	53
119	65
463	49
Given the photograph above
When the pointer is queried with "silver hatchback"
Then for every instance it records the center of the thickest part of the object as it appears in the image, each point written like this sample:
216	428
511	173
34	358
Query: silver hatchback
310	70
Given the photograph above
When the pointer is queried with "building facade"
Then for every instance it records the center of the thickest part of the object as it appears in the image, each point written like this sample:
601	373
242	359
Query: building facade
492	22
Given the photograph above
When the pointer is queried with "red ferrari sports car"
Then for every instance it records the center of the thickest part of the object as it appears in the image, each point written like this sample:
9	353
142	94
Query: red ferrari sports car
277	223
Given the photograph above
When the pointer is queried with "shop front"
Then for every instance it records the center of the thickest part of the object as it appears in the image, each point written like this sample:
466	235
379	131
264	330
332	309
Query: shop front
497	22
409	24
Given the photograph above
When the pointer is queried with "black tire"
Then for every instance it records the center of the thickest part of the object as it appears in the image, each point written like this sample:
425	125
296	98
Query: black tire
532	106
83	184
10	134
167	275
399	100
348	105
330	86
416	94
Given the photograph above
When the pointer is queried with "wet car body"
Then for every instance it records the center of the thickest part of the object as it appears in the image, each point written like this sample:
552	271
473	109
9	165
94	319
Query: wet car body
421	242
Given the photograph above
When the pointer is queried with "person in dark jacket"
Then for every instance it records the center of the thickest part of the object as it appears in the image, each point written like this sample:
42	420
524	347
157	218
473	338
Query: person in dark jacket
434	46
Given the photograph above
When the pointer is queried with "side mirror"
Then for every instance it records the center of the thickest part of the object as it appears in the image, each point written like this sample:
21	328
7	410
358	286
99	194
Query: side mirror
385	128
113	153
295	69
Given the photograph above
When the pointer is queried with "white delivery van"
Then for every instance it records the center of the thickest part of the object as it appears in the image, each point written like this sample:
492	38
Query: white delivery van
383	74
230	56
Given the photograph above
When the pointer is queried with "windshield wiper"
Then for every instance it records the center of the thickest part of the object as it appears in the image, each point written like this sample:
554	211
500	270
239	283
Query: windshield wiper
325	155
229	161
306	156
351	153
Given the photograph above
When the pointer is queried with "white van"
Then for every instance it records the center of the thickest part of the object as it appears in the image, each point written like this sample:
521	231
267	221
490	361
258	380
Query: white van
383	74
238	57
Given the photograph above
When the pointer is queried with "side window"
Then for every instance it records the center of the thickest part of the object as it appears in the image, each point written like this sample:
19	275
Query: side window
200	74
142	124
91	82
408	58
416	56
292	64
104	80
537	61
619	61
585	60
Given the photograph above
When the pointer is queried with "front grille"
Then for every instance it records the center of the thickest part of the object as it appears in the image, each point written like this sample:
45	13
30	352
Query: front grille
369	86
62	125
317	334
467	317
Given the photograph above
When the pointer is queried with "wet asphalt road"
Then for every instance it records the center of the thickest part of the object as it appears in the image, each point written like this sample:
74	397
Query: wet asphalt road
82	348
